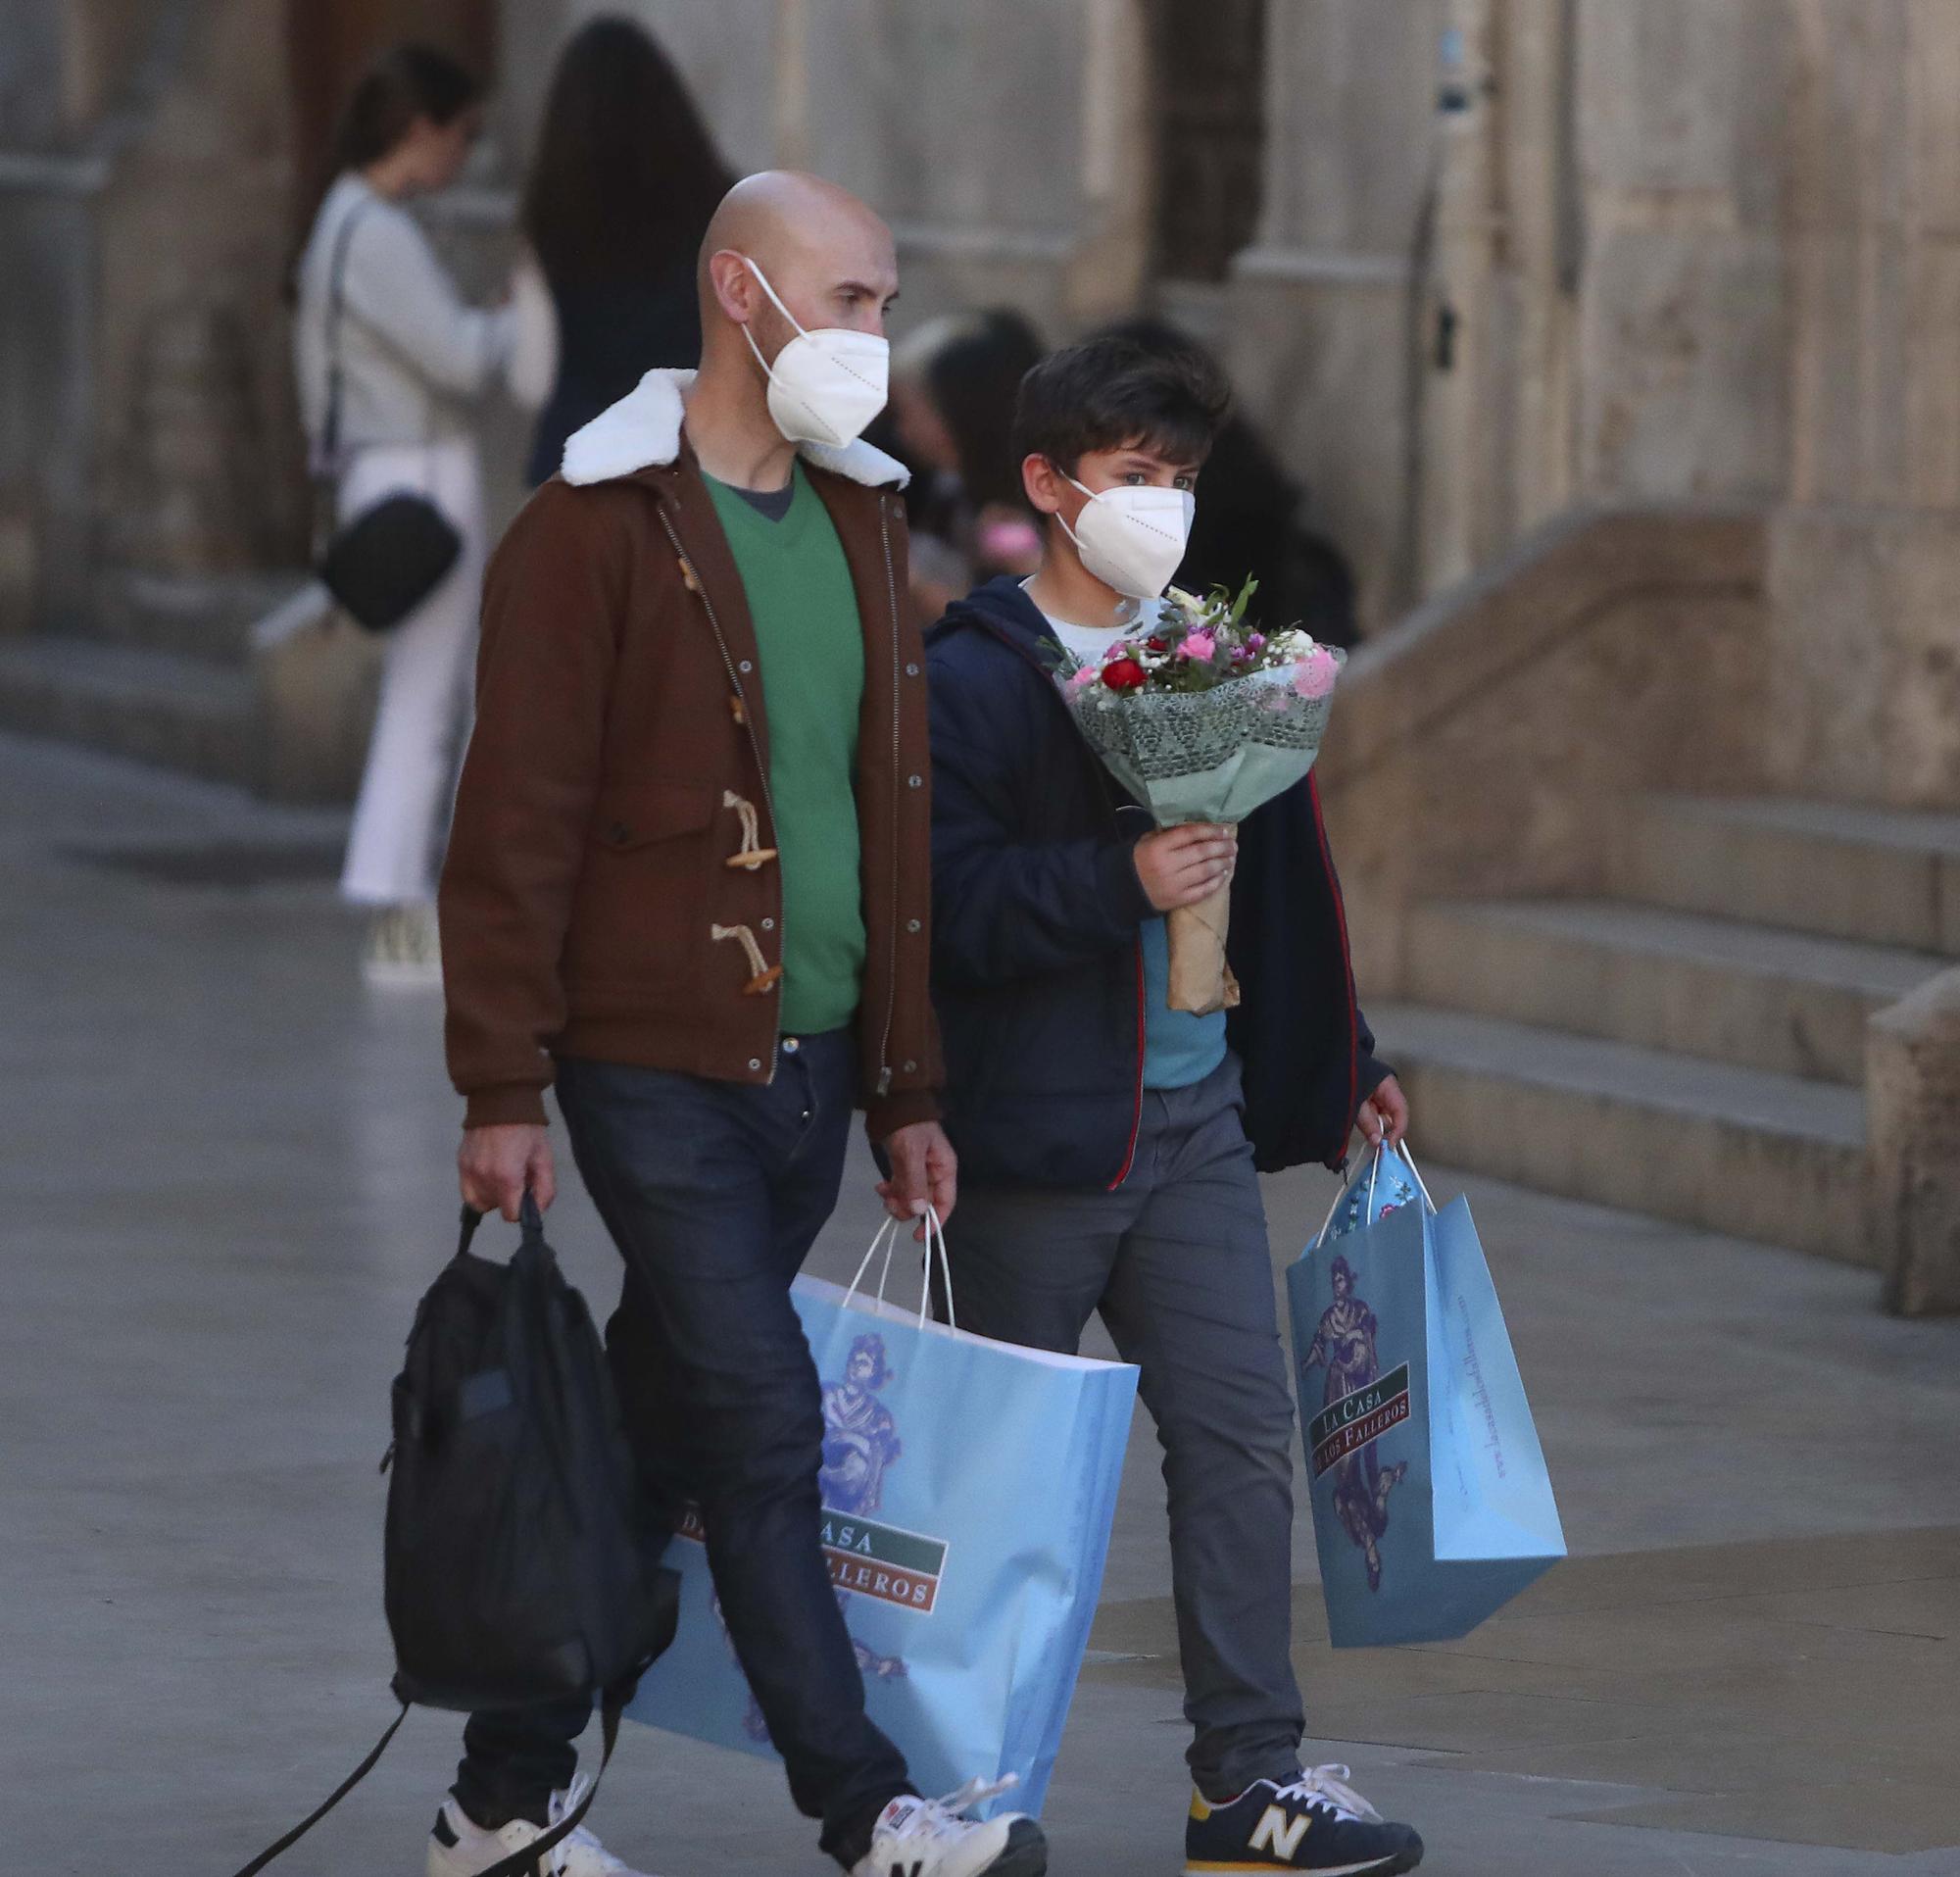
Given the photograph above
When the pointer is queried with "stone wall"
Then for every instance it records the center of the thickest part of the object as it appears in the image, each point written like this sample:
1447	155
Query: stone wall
1865	570
199	466
1692	250
968	137
1484	745
1651	251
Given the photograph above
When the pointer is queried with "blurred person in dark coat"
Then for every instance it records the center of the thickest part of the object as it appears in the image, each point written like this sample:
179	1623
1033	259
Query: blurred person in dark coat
1250	521
954	383
623	184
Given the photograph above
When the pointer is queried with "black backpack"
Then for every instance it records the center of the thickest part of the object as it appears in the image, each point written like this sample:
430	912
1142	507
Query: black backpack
519	1563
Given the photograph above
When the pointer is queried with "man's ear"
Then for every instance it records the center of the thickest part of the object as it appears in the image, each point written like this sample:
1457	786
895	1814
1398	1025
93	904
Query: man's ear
1047	487
734	282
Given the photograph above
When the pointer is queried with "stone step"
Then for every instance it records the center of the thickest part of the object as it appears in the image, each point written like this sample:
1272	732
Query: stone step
1886	876
155	707
1732	1150
208	616
1756	996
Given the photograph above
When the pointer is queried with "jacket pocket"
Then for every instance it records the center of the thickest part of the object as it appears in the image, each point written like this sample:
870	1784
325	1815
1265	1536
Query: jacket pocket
631	815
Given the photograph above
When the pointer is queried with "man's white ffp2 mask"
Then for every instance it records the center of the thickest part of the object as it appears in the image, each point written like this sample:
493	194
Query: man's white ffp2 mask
826	385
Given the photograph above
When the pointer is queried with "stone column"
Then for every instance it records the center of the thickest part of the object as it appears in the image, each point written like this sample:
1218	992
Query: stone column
1913	1117
1323	323
790	111
1455	330
1106	273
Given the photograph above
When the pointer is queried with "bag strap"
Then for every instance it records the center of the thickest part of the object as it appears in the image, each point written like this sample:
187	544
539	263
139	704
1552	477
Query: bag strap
533	1860
885	1238
529	1863
531	1219
337	301
340	1791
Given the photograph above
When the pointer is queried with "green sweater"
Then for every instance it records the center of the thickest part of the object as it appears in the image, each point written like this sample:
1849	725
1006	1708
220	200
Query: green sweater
805	611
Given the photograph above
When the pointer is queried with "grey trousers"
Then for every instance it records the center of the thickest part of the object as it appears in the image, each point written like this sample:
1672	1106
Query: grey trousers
1177	1261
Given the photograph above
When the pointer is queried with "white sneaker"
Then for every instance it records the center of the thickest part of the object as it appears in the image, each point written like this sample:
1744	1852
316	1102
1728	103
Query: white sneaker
459	1847
404	950
928	1838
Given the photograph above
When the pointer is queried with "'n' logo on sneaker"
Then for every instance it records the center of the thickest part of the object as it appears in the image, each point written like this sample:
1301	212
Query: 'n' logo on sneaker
917	1866
1279	1834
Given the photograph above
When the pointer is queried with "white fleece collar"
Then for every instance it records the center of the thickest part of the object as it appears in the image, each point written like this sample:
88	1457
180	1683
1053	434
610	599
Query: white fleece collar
642	431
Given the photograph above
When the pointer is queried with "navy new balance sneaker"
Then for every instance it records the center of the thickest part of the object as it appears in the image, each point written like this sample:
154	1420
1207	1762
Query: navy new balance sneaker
1313	1823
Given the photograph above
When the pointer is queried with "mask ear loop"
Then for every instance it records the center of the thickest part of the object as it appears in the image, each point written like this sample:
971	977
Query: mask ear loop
762	280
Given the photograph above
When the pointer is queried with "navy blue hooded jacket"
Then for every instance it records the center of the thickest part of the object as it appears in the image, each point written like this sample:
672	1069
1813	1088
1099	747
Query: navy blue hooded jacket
1037	963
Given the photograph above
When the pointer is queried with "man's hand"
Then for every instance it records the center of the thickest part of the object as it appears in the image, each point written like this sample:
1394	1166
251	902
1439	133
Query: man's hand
924	1172
1386	1113
497	1164
1181	866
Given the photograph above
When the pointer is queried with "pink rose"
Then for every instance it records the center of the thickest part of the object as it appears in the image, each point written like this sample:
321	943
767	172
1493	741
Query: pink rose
1199	646
1314	675
1083	677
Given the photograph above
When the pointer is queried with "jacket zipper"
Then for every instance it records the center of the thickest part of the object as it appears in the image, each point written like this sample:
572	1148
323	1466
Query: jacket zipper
748	729
1136	1113
1102	786
898	783
1339	1152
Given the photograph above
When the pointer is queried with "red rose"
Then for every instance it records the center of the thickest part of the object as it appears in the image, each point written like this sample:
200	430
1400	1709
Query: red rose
1123	674
1159	645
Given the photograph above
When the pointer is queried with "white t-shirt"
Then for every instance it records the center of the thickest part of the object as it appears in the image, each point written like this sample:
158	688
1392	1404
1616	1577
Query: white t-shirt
1090	642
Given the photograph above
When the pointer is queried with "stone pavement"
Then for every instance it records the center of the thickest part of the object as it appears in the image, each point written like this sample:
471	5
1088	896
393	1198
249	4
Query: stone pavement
226	1177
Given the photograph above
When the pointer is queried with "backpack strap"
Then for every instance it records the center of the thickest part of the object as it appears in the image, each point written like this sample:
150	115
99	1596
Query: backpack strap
532	1220
532	1862
340	1791
336	308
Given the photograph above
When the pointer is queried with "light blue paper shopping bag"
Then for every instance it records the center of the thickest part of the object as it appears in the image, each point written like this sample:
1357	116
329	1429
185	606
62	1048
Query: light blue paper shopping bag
968	1490
1431	1506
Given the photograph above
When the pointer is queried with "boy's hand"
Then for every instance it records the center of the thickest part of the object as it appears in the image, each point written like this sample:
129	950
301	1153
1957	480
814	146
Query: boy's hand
924	1172
1385	1113
497	1164
1181	866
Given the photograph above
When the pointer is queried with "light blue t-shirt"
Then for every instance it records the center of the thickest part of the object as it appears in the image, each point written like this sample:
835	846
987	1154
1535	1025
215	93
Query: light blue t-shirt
1179	1048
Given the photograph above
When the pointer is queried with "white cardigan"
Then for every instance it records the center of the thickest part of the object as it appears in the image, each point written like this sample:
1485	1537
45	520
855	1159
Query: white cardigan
409	348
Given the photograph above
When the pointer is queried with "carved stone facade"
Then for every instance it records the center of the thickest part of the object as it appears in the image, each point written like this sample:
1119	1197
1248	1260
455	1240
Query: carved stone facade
1505	257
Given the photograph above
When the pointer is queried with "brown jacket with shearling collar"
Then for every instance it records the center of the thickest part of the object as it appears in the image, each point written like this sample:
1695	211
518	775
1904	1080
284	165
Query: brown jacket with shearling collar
611	889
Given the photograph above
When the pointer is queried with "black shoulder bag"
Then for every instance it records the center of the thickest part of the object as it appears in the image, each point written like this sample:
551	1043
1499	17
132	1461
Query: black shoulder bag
519	1554
385	561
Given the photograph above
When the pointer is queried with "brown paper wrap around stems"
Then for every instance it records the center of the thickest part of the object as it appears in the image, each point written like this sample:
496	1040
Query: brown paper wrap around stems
1200	982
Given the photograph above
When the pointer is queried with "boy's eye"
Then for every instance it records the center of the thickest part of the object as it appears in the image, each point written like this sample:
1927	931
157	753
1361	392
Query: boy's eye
1186	482
1135	478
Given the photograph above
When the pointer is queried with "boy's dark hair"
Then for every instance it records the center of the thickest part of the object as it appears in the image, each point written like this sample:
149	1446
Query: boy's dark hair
1110	393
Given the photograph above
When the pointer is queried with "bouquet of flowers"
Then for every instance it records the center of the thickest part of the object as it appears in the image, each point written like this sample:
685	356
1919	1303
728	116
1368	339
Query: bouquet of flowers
1202	717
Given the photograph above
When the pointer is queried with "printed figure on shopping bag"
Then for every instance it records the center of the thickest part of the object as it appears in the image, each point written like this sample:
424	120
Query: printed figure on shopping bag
861	1439
1345	1345
1141	969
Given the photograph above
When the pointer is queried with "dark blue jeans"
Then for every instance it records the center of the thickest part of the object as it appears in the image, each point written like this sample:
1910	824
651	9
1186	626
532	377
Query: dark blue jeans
714	1193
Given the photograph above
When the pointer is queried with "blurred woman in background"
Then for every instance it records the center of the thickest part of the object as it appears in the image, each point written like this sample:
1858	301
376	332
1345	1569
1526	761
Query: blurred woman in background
622	188
387	354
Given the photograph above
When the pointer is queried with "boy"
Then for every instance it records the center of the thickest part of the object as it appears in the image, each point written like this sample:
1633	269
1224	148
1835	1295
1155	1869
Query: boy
1108	1144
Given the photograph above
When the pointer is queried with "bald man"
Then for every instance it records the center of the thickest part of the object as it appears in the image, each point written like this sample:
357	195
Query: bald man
689	883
